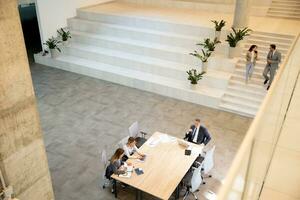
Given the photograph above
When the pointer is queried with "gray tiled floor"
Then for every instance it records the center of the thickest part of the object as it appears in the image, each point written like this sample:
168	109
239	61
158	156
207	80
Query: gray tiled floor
80	115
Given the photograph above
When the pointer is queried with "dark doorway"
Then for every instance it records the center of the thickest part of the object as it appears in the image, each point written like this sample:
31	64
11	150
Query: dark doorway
30	29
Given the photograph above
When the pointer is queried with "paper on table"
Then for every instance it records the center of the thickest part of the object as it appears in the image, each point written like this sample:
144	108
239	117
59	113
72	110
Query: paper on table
126	175
152	142
165	138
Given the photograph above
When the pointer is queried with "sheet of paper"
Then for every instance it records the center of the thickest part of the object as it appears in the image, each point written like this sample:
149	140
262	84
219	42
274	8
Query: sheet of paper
126	175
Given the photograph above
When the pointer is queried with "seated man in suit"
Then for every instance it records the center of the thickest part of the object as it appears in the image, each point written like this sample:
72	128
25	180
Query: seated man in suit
198	134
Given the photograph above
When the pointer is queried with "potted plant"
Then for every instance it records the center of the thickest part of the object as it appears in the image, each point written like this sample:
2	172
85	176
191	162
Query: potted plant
52	45
194	77
209	45
203	57
65	35
218	27
234	38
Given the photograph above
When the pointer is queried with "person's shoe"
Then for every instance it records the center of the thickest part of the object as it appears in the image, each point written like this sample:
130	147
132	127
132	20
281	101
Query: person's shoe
268	87
265	82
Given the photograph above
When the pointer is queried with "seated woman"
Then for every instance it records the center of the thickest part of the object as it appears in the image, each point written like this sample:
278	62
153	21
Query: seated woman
116	165
130	148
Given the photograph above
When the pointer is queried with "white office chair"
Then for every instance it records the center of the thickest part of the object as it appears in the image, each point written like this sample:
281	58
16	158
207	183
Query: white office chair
104	161
134	131
208	162
193	181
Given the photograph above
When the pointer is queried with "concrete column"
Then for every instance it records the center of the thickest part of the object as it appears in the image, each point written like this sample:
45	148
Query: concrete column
241	13
23	160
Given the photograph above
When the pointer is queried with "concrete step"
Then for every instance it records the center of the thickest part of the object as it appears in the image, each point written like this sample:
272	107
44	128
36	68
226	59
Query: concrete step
157	84
170	53
289	14
272	35
283	16
245	90
134	33
284	9
213	78
254	80
242	97
249	86
265	44
230	107
242	71
285	3
146	23
242	68
270	39
242	102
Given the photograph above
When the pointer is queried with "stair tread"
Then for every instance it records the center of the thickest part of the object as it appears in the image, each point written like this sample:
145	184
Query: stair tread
274	35
260	92
134	42
241	102
243	97
237	109
143	30
146	59
134	74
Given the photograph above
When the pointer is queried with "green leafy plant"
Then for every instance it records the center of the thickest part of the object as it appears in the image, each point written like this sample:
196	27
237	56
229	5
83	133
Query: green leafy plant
52	43
209	45
194	76
204	56
219	25
65	35
237	35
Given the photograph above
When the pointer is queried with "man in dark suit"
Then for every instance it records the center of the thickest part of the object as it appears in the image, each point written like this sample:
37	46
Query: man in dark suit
198	134
273	60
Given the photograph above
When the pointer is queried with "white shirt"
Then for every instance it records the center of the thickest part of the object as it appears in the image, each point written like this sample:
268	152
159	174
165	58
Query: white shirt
196	135
273	53
129	150
252	56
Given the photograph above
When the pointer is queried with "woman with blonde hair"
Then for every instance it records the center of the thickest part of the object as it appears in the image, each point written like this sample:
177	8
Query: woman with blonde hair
251	57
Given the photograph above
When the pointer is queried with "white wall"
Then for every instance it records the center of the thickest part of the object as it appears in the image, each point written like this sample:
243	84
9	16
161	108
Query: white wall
53	14
25	1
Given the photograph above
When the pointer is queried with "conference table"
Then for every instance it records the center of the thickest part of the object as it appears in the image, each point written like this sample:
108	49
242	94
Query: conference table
164	167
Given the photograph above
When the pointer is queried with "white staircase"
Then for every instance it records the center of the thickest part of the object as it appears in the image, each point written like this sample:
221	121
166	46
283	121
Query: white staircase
141	52
246	99
288	9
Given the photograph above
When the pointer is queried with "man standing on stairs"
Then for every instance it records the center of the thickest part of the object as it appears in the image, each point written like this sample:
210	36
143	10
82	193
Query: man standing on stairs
273	60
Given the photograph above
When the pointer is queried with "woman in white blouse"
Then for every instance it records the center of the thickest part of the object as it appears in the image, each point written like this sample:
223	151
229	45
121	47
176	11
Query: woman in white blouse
130	148
251	58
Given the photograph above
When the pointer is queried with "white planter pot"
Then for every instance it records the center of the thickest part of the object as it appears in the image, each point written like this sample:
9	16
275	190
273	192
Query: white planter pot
66	43
53	53
204	66
193	86
234	52
218	34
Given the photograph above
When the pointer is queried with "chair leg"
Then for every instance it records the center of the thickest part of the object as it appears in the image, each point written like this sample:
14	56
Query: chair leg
186	194
195	196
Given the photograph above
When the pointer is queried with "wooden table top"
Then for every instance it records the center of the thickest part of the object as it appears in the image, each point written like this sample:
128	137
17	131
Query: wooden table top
164	167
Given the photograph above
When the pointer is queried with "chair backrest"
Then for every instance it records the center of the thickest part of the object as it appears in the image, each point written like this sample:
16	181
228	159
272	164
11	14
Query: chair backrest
104	159
208	162
196	179
134	130
123	142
